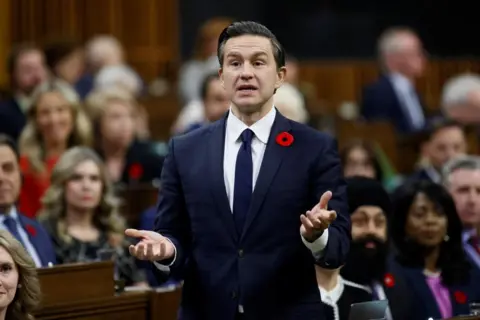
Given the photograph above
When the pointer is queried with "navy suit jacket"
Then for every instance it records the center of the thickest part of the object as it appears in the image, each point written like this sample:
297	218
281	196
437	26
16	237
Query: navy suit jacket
425	305
12	118
380	102
267	269
40	240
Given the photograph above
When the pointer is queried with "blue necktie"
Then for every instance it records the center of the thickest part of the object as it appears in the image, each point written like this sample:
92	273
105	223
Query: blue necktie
243	188
12	227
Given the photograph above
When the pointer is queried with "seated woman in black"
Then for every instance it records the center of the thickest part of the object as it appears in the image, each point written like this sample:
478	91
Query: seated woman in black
128	159
427	233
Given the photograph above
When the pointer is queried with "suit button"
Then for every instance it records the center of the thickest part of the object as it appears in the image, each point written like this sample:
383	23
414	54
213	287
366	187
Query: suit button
234	295
240	253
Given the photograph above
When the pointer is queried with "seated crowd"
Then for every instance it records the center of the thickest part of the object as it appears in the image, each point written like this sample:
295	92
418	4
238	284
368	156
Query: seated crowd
70	142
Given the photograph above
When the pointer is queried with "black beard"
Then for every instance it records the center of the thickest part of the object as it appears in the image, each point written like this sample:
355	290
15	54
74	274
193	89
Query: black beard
365	265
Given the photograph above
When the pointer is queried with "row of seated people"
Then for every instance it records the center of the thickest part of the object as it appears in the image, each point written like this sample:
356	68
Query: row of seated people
56	122
79	220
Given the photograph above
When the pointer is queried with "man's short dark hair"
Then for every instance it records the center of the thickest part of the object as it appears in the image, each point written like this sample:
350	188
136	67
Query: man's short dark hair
206	83
242	28
7	141
438	124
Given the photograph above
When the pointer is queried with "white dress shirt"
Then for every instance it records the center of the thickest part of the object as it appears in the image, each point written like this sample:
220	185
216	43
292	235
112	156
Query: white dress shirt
25	239
261	130
408	98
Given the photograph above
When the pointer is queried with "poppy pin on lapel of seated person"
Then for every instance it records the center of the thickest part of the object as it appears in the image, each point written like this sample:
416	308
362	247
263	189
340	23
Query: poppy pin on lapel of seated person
389	280
460	297
135	171
31	230
284	139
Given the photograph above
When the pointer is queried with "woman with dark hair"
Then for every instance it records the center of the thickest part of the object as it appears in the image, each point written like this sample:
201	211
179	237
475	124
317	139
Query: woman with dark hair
358	158
427	233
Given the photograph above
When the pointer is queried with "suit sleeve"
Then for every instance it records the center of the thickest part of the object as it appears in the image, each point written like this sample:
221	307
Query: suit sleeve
328	175
172	218
367	104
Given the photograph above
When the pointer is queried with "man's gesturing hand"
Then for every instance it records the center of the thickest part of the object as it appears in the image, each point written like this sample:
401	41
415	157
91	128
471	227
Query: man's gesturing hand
315	221
152	245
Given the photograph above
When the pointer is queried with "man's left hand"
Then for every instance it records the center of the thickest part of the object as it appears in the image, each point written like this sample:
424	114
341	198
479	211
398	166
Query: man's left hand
317	220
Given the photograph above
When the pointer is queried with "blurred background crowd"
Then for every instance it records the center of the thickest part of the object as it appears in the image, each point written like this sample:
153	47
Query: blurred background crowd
93	90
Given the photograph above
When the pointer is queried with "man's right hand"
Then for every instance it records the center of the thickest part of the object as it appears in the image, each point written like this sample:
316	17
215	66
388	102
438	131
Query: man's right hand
152	245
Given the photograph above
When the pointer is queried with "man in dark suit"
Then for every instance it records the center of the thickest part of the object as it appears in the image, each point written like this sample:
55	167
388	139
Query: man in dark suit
26	68
251	243
28	231
393	96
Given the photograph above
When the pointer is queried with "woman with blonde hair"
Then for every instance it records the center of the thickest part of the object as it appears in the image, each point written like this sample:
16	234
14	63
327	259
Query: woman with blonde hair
81	214
19	283
55	122
128	159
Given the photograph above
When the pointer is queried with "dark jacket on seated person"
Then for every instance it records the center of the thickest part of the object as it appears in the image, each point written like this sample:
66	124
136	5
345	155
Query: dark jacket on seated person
34	238
426	300
381	103
12	118
143	163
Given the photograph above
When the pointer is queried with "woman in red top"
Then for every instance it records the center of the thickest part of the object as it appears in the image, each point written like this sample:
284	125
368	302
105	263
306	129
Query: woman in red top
55	123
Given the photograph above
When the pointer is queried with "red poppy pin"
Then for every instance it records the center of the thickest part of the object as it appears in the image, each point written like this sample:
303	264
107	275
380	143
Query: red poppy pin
284	139
31	230
389	280
460	297
135	171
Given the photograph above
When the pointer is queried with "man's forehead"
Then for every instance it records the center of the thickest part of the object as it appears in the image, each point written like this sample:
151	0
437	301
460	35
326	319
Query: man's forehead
6	154
465	175
252	44
370	210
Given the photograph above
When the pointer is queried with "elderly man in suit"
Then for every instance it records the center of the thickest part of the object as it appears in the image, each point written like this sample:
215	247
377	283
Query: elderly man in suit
28	231
393	96
262	200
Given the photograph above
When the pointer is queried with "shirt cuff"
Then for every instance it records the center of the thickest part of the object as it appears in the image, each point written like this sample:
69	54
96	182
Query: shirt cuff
317	246
166	267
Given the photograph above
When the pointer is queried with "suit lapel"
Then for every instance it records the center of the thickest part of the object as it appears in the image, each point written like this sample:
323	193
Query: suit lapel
216	148
272	159
35	240
419	281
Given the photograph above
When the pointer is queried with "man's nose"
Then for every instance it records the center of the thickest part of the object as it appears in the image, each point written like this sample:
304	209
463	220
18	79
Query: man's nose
247	71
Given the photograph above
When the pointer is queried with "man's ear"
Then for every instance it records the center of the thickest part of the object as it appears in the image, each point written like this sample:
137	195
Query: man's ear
281	74
220	75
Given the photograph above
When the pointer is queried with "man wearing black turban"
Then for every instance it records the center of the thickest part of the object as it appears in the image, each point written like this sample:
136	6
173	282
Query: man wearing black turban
367	262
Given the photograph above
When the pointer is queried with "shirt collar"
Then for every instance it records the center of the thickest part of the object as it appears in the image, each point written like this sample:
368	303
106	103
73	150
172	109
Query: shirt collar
261	128
400	79
467	234
333	295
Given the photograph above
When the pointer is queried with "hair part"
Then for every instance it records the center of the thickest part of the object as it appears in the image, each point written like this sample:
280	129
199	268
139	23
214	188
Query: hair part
243	28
